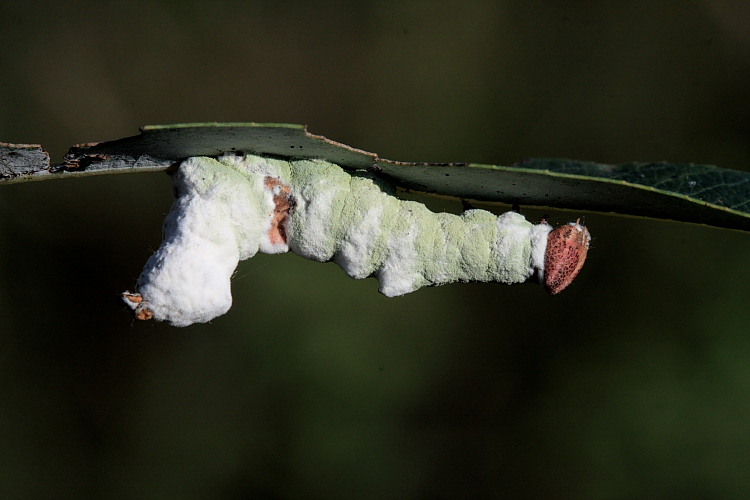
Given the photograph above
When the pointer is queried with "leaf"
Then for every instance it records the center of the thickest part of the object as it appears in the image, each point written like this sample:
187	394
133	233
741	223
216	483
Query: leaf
684	192
177	142
699	194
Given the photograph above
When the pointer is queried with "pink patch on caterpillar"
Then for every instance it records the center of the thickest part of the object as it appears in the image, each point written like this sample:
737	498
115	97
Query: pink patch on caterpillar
283	206
567	247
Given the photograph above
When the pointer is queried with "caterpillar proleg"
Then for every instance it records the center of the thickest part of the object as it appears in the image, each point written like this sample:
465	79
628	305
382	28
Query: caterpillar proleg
230	208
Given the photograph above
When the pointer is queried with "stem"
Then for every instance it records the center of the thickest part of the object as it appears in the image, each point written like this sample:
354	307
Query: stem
29	162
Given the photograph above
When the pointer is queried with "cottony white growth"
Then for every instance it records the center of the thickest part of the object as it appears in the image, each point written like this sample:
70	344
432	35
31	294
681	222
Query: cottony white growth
230	208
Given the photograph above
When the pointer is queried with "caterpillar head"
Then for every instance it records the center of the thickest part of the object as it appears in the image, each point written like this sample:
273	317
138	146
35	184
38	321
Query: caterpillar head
567	247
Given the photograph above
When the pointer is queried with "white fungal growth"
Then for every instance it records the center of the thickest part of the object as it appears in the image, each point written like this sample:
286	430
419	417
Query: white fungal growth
230	208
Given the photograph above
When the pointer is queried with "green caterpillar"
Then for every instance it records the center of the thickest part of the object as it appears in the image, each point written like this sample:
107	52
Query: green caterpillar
230	208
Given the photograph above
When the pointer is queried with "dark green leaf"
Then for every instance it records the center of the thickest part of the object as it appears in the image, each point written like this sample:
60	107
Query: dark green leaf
684	192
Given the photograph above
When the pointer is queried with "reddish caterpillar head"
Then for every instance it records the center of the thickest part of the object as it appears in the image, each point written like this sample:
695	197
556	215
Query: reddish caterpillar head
567	247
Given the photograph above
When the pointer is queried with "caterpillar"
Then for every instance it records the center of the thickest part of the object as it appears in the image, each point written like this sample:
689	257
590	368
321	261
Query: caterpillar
229	208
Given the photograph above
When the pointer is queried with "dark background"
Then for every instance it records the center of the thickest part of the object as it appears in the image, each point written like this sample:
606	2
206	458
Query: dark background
634	383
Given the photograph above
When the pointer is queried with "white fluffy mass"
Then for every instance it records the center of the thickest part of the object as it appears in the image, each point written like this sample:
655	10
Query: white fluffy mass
218	218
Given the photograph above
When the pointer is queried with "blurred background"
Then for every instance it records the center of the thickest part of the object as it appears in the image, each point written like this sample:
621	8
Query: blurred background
634	383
